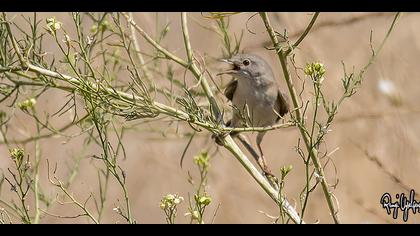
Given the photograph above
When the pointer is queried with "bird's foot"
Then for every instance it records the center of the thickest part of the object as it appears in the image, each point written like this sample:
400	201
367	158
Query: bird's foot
271	177
218	138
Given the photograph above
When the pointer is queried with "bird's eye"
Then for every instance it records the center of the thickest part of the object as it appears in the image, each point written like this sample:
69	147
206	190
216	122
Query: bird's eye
246	62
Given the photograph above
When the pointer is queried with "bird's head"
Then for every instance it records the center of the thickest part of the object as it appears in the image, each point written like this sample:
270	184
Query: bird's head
247	66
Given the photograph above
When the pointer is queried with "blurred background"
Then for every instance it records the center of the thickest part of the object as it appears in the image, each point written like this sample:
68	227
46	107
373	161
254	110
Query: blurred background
380	122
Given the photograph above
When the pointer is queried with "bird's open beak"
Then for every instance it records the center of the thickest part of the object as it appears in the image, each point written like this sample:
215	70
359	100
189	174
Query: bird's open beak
233	70
226	61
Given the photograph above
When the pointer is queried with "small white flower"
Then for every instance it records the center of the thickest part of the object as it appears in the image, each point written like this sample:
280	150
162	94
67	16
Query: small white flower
53	25
318	177
89	40
178	200
170	197
67	40
117	209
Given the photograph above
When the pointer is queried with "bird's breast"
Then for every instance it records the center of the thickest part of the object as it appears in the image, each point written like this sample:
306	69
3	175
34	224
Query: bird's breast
255	104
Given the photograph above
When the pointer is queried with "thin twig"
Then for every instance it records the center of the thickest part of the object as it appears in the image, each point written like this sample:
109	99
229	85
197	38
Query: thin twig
304	34
139	55
42	136
334	23
56	182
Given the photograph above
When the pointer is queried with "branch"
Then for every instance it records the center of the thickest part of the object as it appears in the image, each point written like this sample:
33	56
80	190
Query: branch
288	208
313	153
162	108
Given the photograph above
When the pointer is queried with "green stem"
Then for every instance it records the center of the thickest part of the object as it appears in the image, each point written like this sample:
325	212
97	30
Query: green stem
317	94
308	28
195	70
154	43
372	59
316	89
138	53
36	175
313	153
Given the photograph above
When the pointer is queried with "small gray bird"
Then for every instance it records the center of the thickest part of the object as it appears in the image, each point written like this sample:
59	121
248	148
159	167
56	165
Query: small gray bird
255	96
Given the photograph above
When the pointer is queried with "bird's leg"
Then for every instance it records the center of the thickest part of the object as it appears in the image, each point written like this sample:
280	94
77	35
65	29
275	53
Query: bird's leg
261	160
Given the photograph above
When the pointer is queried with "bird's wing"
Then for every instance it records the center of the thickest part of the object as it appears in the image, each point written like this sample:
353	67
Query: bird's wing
231	88
283	102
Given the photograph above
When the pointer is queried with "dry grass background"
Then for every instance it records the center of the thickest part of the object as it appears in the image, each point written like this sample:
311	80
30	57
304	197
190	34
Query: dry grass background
368	119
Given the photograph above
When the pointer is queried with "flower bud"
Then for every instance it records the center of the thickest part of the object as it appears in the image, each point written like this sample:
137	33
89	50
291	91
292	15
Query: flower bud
204	200
27	104
53	25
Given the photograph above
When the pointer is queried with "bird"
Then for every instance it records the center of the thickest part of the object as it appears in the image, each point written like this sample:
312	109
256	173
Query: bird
256	98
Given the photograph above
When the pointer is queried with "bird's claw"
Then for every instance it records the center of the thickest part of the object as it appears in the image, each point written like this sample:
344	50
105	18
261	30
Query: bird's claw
218	138
271	177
